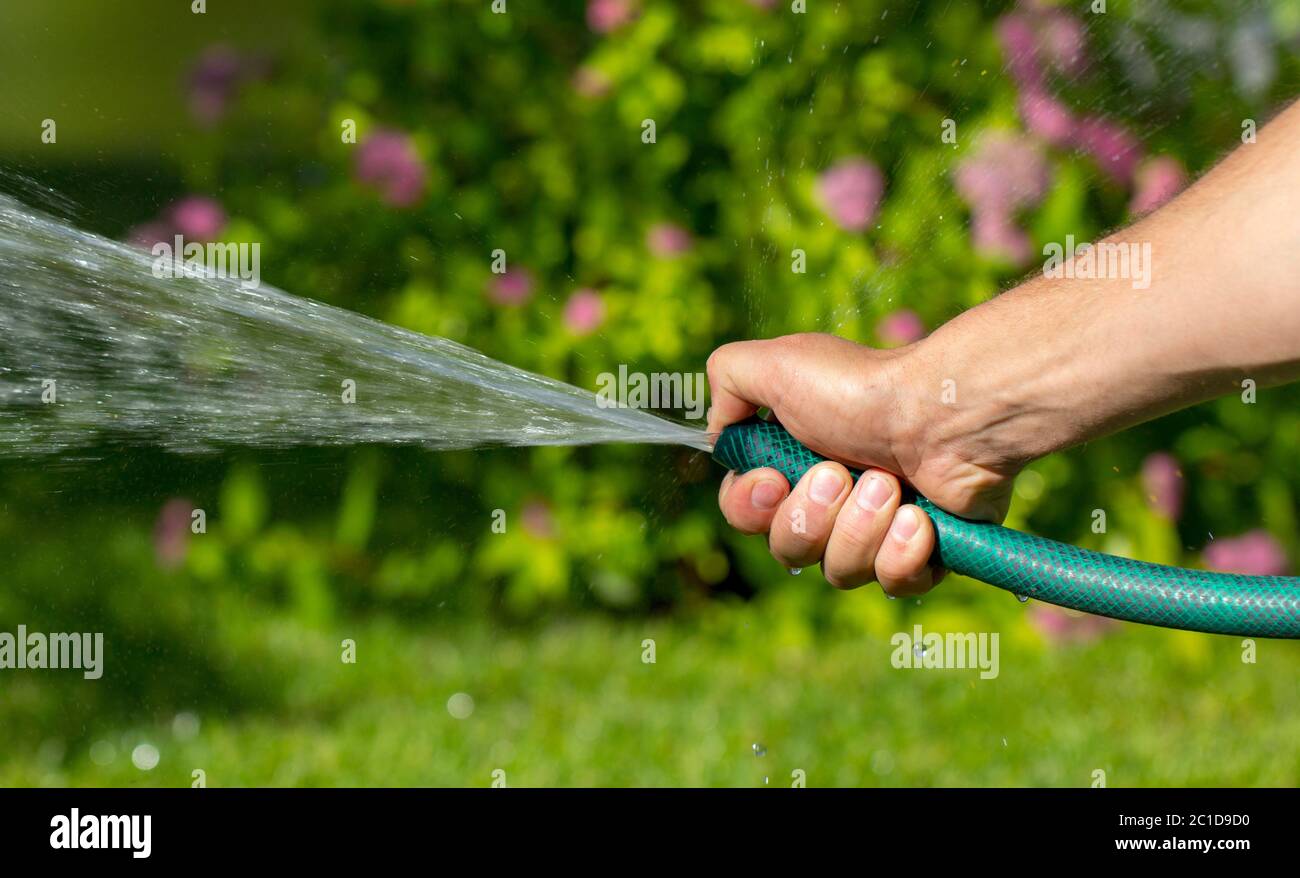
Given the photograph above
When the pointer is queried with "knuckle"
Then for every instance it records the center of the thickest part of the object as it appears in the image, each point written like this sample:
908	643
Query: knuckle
844	579
745	525
743	519
749	530
856	538
775	551
900	587
800	550
797	545
837	582
799	340
803	528
719	358
714	362
895	570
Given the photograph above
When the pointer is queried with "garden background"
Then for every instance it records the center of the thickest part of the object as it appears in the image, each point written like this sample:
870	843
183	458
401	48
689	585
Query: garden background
521	656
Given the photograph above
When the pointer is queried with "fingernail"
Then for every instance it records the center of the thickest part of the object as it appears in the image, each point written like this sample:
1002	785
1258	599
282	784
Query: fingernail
765	495
906	524
874	494
826	486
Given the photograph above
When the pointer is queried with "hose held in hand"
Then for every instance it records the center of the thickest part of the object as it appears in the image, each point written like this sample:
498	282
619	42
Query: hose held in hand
1030	566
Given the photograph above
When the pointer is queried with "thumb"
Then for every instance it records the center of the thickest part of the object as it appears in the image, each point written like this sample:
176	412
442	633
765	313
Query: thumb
740	382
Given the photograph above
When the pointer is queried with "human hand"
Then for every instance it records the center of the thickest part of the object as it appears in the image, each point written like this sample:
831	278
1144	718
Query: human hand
875	410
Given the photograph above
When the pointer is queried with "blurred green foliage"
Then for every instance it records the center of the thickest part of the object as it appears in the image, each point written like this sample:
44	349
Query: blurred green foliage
529	128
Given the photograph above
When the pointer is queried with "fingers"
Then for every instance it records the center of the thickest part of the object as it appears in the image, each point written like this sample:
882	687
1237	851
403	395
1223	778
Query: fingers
903	562
858	533
860	530
749	501
739	382
803	524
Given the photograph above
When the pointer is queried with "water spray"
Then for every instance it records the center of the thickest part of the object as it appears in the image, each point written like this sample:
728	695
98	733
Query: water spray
99	351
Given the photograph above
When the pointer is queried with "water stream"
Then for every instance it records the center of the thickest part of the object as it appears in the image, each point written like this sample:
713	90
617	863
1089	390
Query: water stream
96	350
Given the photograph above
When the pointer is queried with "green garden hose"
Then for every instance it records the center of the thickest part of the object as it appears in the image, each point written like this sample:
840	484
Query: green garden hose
1033	567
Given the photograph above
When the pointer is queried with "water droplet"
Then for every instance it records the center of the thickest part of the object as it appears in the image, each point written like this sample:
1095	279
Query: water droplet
795	571
1004	742
759	749
765	779
919	651
185	725
102	752
460	705
1022	598
145	757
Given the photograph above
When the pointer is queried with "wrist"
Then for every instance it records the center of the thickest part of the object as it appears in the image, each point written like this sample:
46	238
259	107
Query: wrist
997	388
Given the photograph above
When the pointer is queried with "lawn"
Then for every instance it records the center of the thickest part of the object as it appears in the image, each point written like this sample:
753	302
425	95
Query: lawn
571	702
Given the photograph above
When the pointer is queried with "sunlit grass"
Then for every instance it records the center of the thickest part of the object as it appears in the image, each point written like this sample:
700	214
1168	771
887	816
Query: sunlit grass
572	703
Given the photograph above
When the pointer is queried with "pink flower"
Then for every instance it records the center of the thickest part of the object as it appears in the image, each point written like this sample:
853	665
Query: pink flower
1020	46
1113	148
1063	40
387	160
147	234
1252	554
590	82
1033	37
216	78
1005	172
666	239
604	16
194	218
537	519
901	327
213	81
1067	626
850	193
1158	180
1045	116
584	312
1162	480
197	218
996	235
512	288
171	533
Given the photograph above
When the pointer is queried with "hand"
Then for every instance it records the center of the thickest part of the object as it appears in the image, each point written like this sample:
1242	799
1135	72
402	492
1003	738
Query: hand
1050	364
879	411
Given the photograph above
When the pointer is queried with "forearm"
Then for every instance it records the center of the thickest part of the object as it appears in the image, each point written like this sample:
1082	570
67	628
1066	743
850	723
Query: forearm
1058	361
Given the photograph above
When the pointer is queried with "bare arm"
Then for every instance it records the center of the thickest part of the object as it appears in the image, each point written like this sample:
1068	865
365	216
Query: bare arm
1061	361
1054	362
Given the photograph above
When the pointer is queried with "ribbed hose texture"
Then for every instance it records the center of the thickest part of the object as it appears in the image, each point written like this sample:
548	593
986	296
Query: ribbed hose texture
1034	567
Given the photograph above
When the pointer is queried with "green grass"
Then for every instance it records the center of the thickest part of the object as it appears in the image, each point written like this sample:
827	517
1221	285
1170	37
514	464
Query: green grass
572	703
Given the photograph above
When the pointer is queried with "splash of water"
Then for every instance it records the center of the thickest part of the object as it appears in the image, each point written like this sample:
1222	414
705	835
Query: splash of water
95	349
